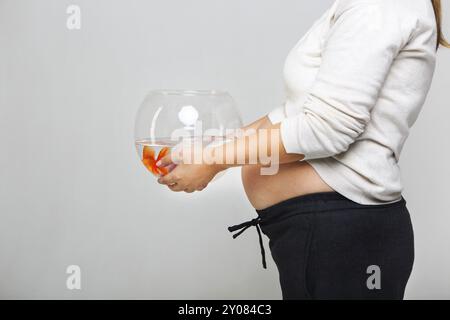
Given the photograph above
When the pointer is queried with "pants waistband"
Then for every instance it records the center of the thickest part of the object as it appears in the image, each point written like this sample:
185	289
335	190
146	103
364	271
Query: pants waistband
316	202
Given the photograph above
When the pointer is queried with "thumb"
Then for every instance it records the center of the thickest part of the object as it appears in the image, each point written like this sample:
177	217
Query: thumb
164	161
171	158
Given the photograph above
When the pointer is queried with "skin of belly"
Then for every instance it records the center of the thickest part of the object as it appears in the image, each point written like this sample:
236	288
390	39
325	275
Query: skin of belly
293	179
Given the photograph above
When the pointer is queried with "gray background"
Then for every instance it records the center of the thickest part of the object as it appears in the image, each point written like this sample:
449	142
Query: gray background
72	190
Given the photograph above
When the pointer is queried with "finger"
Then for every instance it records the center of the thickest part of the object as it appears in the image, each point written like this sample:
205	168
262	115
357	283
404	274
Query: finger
174	157
170	167
165	161
189	190
163	171
201	188
169	178
176	188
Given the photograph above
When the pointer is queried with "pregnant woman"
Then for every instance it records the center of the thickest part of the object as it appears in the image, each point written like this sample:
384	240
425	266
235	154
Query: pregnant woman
334	212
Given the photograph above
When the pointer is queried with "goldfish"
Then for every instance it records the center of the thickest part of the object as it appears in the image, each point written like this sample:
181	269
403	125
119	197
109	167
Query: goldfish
149	160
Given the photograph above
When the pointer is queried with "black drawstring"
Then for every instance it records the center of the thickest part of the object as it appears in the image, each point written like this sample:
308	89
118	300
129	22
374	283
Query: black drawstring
244	226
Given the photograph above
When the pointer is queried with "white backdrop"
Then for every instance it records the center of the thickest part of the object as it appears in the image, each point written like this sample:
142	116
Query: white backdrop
73	192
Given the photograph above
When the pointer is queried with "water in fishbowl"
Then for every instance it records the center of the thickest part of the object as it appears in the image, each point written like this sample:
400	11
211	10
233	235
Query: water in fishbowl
150	151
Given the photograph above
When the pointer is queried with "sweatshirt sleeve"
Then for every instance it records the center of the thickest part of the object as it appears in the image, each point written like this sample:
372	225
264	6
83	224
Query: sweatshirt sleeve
358	52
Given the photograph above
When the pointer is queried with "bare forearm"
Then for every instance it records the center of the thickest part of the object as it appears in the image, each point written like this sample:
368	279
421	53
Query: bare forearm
261	144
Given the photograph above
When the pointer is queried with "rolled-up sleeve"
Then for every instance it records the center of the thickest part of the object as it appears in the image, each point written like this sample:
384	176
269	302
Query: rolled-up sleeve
357	55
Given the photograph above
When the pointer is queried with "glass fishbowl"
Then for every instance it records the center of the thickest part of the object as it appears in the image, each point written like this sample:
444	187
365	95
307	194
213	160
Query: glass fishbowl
167	118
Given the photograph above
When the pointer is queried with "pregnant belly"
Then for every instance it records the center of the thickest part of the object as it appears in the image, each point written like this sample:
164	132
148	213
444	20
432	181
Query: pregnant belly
293	179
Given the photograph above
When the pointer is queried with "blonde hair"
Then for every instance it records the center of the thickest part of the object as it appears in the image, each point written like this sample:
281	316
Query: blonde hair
438	12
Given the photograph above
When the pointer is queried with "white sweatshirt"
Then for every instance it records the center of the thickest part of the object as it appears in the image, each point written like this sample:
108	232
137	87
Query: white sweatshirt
355	84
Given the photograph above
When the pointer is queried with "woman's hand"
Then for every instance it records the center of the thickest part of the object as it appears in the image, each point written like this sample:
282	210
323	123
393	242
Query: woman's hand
188	177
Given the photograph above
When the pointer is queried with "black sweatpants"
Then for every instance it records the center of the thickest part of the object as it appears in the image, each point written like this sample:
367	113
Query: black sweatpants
328	247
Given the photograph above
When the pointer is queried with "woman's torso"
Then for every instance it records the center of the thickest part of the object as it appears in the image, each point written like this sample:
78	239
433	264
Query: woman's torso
292	180
342	173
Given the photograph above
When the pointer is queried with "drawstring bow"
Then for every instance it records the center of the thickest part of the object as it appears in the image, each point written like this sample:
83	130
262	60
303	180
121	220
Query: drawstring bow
244	226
